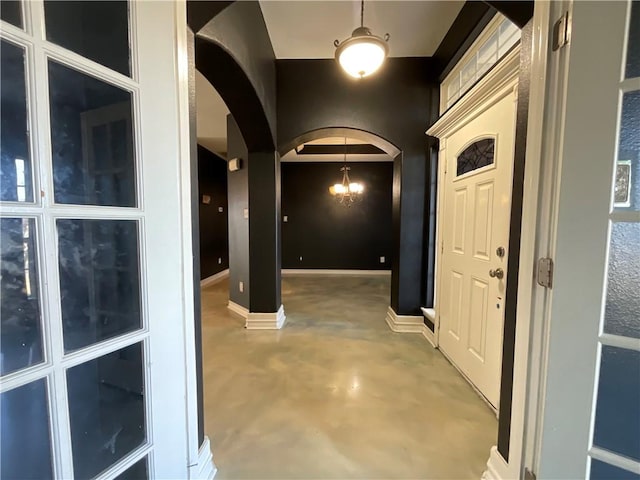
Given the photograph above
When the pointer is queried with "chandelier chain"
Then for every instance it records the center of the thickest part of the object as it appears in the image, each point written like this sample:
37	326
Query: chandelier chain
362	13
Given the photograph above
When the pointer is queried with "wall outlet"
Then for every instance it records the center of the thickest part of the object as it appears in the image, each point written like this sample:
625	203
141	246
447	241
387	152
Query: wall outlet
381	259
219	260
245	213
241	287
285	219
300	257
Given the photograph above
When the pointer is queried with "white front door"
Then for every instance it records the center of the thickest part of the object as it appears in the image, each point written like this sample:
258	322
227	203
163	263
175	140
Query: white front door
96	338
475	215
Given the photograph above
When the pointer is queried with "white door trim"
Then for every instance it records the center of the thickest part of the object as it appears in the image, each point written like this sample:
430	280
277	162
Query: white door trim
538	198
537	205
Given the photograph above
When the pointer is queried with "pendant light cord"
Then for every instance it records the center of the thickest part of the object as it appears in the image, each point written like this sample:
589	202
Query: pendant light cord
362	13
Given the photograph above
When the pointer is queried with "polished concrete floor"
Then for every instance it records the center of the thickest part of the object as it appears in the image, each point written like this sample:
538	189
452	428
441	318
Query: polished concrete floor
335	394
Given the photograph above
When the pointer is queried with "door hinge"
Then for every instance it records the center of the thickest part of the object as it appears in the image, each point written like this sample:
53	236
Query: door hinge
561	32
545	272
529	475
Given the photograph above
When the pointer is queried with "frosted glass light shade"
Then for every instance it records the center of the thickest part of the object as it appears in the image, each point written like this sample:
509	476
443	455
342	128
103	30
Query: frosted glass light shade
362	54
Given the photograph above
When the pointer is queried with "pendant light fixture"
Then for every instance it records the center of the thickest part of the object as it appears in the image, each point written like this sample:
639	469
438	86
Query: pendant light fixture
346	192
362	53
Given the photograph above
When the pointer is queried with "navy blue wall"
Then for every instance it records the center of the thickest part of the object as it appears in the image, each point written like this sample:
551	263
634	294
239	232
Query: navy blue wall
329	235
214	232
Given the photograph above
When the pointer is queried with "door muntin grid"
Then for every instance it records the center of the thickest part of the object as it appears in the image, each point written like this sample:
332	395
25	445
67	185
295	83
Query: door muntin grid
616	424
53	372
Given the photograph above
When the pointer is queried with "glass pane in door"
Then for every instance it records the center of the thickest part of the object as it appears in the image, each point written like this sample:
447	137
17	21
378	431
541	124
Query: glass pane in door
11	12
92	140
15	159
604	471
99	280
633	42
24	433
627	181
107	410
622	308
98	30
137	471
617	421
20	321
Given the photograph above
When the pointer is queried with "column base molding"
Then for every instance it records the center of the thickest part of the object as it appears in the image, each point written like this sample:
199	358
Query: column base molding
409	324
266	321
206	468
497	468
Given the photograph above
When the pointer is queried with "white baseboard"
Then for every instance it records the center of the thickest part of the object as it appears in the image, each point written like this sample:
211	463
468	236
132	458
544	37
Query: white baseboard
409	324
238	309
325	271
404	323
266	321
429	335
206	468
497	468
218	277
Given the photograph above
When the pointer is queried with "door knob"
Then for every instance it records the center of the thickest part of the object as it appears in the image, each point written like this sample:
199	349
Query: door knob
497	273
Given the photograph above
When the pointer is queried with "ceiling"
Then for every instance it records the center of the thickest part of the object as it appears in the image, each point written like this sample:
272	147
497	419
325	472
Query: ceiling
211	117
292	156
307	29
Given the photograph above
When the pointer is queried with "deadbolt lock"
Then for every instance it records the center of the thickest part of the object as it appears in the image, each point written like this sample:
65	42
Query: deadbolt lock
500	252
497	273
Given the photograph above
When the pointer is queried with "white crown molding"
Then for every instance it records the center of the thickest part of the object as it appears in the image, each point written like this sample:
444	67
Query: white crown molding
266	321
218	277
497	83
238	309
324	271
206	468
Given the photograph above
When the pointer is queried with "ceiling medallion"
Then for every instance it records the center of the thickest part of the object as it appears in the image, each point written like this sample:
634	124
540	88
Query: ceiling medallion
363	53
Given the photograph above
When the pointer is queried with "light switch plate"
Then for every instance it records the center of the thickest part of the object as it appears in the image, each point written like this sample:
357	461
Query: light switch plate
382	260
285	219
245	213
241	287
220	209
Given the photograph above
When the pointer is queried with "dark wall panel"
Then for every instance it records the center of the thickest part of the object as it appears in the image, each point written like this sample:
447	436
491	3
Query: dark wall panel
238	197
214	233
234	52
327	234
264	231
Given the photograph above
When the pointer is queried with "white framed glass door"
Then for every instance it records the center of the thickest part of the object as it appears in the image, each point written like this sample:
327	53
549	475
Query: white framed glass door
95	356
590	417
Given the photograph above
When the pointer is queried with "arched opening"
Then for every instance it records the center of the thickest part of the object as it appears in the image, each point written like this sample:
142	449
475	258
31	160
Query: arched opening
338	246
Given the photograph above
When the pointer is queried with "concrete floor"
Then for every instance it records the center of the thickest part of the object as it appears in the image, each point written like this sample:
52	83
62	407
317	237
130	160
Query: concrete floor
335	394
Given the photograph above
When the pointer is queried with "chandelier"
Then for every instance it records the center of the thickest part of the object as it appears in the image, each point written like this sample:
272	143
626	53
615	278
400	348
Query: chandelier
362	53
346	192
